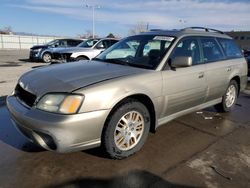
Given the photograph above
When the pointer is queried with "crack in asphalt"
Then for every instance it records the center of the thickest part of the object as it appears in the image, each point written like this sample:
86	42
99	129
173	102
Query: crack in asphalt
196	129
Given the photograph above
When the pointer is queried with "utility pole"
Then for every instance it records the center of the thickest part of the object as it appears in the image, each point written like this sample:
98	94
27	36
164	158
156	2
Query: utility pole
93	7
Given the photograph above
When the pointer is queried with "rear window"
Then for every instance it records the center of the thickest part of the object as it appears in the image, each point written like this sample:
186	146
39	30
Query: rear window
230	49
211	50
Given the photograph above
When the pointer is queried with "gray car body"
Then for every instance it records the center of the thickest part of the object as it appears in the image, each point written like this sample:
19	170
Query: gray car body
169	94
87	53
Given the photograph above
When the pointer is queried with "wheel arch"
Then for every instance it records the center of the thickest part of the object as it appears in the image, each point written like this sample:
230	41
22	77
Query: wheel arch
46	51
237	79
83	56
145	100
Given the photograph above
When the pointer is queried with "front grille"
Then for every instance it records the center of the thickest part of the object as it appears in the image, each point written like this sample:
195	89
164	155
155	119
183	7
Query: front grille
25	96
33	53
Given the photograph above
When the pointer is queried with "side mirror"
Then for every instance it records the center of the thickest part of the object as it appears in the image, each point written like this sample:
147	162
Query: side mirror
182	61
100	47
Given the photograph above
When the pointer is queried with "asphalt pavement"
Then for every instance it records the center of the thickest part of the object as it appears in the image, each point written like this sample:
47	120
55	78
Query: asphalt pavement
201	149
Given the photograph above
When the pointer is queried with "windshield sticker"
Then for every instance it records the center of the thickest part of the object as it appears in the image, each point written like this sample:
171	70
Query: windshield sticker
165	38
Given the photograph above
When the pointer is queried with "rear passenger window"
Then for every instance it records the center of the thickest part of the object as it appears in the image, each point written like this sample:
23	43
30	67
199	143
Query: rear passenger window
211	50
230	48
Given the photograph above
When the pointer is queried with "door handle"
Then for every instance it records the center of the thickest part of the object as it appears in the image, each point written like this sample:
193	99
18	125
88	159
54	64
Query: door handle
201	75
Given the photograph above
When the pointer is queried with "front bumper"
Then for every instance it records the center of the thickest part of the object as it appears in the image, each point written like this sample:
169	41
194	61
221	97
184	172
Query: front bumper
35	55
60	133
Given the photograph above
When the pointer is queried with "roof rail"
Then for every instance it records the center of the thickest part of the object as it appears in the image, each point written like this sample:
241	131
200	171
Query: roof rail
156	29
203	28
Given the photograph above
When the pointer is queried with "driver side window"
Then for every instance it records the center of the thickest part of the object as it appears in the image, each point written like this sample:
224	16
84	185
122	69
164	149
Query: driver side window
187	47
62	43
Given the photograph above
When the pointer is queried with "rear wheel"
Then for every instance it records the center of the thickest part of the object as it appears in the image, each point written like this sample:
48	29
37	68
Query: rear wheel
47	57
126	130
229	99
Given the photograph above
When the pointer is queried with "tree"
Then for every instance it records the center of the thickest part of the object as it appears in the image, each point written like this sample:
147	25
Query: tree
110	35
6	30
138	28
87	35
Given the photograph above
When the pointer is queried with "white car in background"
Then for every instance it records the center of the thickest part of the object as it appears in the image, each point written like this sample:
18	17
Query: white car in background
84	51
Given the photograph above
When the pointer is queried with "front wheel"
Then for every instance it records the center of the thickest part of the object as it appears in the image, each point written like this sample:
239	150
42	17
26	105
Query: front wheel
47	57
126	130
229	99
81	58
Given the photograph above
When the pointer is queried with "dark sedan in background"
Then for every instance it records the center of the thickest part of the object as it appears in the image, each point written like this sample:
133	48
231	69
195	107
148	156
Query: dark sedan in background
247	56
43	52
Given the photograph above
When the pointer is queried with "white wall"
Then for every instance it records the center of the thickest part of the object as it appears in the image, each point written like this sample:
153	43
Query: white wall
22	42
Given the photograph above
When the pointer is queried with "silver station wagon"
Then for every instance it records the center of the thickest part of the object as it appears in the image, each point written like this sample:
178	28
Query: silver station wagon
130	89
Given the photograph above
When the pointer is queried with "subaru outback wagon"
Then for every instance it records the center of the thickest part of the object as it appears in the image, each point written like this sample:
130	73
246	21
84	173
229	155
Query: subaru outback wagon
130	89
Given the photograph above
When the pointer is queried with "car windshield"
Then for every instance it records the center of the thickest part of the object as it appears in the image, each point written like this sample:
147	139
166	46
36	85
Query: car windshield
88	43
52	42
144	51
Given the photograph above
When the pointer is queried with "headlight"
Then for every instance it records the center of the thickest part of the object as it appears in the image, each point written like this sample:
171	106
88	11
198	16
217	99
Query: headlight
60	103
37	50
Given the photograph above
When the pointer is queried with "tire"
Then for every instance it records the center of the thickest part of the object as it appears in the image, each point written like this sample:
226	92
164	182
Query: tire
229	99
81	58
46	57
119	142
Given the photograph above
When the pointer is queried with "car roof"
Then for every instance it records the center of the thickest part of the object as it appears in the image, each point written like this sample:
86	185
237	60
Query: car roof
70	39
190	31
104	39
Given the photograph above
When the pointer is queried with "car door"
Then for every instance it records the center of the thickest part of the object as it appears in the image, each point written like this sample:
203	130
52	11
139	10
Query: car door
217	68
184	88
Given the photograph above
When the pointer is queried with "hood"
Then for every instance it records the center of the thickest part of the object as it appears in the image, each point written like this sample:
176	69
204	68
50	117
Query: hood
72	50
38	47
71	76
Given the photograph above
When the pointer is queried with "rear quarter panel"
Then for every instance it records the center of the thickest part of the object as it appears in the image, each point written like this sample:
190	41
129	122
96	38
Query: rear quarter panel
239	68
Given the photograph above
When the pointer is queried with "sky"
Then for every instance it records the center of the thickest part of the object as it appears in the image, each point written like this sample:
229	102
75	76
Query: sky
72	17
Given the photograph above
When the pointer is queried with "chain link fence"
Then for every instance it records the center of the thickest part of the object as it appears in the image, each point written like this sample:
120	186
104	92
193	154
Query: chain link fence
22	42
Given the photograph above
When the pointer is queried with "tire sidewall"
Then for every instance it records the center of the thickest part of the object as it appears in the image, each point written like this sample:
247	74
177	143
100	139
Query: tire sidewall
110	145
80	58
